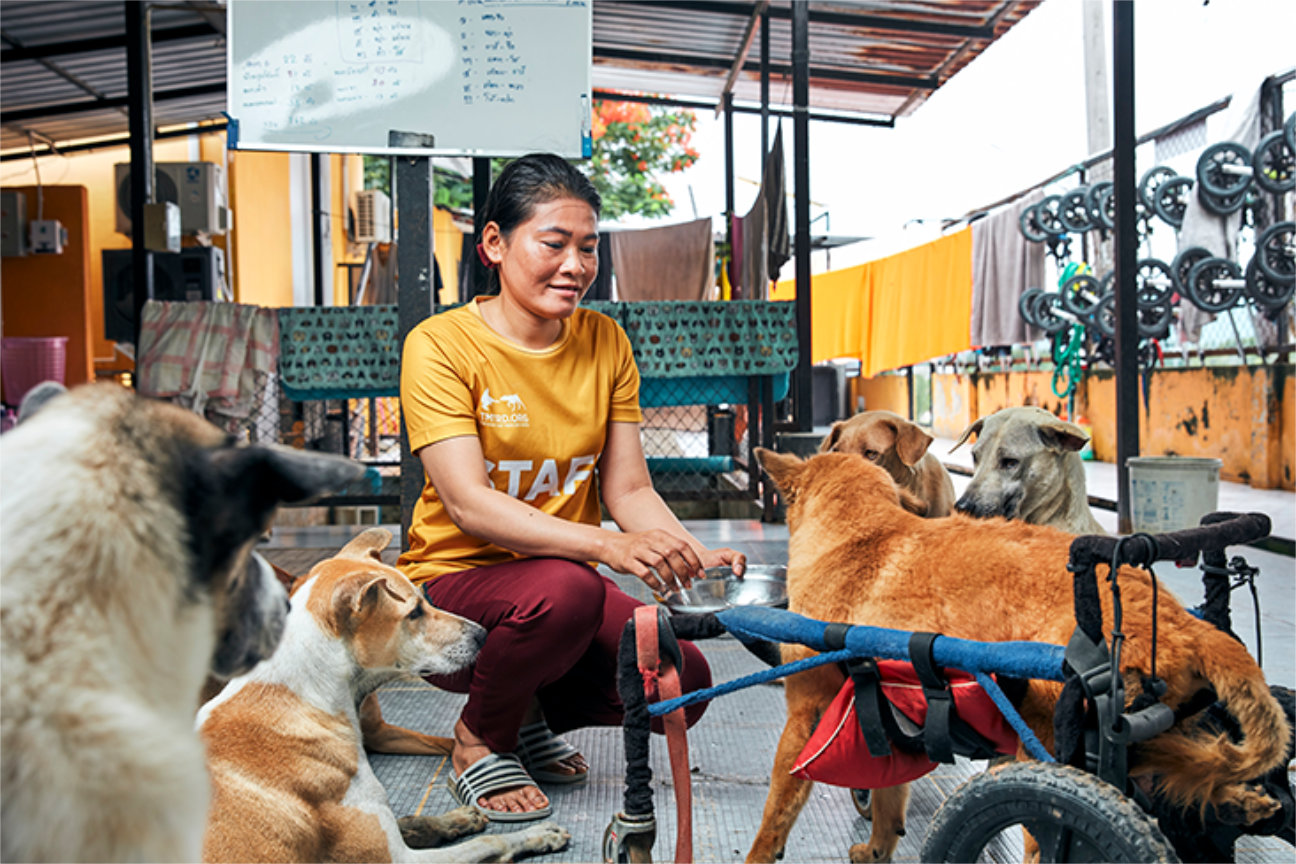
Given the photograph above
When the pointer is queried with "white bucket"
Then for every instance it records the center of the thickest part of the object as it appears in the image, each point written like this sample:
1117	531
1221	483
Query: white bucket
1169	493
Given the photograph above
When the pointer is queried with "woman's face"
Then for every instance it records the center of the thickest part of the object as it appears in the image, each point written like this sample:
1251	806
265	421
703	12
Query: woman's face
549	261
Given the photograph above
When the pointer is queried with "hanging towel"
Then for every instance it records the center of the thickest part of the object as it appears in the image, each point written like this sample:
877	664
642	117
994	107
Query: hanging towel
753	254
673	262
212	358
774	193
1004	265
1217	233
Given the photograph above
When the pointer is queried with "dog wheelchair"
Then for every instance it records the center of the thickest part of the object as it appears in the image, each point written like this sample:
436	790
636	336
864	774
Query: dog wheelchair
1081	807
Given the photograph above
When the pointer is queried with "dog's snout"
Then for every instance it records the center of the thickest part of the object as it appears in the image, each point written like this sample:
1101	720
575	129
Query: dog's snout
966	505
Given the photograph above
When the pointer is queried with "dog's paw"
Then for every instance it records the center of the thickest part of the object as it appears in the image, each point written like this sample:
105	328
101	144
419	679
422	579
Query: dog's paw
546	837
866	853
1246	805
424	832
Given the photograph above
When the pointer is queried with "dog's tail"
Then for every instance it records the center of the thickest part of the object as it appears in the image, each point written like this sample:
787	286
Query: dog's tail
1198	765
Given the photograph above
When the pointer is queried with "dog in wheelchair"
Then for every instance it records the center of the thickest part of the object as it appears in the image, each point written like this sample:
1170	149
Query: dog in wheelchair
856	555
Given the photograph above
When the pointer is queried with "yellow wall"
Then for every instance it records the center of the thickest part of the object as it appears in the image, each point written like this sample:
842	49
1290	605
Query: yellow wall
261	230
882	393
46	295
1245	417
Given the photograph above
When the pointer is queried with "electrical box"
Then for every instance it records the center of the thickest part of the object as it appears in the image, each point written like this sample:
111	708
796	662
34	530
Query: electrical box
198	188
13	224
370	217
48	237
162	227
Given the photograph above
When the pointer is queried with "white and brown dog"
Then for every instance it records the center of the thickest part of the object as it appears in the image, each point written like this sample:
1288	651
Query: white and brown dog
127	575
286	751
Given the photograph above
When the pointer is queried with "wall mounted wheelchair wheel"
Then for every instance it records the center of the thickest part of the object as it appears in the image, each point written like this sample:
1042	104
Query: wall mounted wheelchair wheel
1074	211
1171	200
1029	225
1073	815
1183	262
1275	164
1275	247
1080	295
1214	169
1045	310
1211	285
1151	181
1263	291
1026	305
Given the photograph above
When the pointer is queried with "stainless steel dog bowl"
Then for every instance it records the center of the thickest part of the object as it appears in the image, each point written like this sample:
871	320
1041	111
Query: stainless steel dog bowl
760	585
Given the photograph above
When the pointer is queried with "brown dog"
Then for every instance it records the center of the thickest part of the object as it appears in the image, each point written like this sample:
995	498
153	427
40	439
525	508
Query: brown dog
900	447
857	556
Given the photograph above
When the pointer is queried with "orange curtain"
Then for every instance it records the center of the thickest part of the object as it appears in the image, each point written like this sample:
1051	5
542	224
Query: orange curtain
895	311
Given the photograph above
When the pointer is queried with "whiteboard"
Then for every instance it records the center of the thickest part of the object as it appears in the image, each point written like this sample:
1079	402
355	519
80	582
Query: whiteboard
465	77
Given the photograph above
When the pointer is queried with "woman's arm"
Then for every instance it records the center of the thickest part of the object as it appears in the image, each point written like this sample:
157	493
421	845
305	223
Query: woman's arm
634	504
664	561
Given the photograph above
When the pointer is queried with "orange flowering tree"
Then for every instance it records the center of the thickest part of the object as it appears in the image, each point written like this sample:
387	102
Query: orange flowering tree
634	146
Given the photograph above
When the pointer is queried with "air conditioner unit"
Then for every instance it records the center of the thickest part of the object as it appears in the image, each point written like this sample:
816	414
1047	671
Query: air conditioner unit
194	273
196	187
370	217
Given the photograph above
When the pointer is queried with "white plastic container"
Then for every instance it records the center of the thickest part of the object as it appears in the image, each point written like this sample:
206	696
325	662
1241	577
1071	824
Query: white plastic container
1170	493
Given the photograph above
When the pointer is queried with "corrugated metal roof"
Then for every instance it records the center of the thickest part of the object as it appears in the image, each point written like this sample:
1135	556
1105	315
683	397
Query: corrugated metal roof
64	64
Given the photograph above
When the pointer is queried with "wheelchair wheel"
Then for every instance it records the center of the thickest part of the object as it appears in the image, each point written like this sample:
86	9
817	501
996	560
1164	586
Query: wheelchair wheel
1073	816
863	801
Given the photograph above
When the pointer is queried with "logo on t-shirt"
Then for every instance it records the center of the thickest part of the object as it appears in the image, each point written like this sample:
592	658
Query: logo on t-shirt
506	410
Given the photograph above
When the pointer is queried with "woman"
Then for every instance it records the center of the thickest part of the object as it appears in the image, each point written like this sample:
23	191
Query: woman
523	409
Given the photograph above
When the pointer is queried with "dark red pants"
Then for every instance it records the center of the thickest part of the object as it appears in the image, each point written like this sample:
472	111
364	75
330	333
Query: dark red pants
554	627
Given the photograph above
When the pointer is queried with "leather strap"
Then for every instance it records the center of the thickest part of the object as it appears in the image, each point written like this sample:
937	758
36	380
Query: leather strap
869	705
661	682
940	701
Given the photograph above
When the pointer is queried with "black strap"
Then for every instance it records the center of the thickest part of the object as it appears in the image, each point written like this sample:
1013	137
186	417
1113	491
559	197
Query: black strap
834	635
940	701
870	711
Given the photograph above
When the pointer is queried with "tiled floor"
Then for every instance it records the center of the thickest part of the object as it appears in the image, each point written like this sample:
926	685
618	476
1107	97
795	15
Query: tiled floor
731	749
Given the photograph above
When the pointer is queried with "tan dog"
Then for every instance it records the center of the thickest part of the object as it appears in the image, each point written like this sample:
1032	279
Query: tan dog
126	576
1028	467
857	556
290	778
900	447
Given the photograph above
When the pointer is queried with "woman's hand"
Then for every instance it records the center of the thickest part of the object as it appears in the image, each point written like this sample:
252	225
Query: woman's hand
662	561
735	560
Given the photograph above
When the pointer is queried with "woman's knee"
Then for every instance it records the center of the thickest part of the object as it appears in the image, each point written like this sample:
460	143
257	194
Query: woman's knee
569	595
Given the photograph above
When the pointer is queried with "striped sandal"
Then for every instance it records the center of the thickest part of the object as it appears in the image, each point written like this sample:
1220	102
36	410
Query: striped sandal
495	773
538	747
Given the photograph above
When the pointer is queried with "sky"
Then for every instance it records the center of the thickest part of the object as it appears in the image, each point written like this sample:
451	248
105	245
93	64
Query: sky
1012	118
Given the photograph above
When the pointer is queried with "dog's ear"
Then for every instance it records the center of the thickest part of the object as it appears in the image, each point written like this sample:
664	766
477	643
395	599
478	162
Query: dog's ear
834	435
372	593
974	429
912	502
366	546
911	442
1061	435
783	468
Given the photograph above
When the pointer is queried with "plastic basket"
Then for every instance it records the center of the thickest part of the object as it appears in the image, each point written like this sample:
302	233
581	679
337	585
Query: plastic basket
27	361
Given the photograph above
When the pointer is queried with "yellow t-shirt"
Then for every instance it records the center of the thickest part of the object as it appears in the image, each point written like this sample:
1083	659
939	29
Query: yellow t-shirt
541	416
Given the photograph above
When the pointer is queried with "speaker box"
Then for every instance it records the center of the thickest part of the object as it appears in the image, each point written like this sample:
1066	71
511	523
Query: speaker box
193	273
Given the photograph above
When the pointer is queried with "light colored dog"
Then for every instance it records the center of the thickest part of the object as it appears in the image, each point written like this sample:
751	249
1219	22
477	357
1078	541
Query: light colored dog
290	778
857	556
899	446
126	562
1028	467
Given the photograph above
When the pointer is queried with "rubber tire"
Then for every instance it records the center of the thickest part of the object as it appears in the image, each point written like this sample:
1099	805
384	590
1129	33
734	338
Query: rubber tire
1222	206
1149	294
1289	130
1074	211
1271	245
1151	181
1171	200
1081	295
1029	225
1263	291
863	801
1046	798
1213	180
1043	308
1273	153
1105	206
1047	215
1104	315
1213	299
1026	305
1183	262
